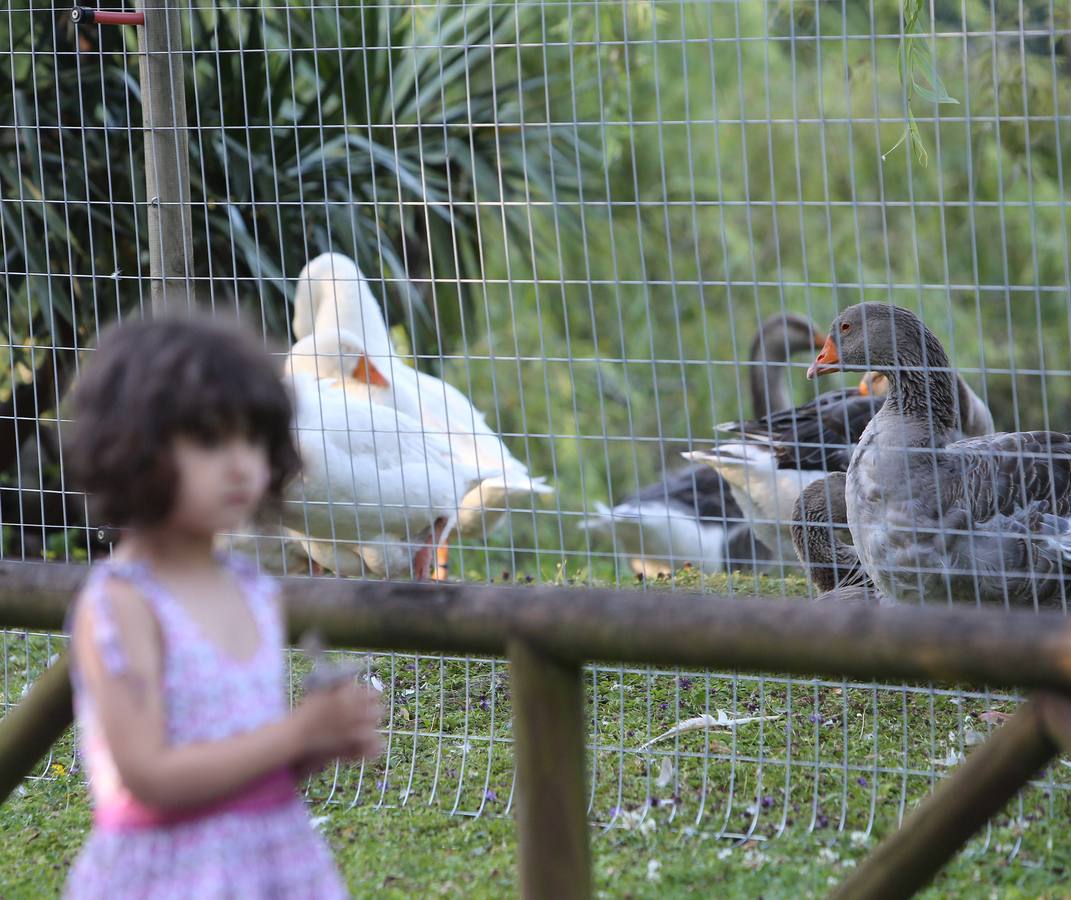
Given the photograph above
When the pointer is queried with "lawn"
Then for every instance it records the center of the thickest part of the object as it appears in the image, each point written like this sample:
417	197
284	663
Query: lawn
788	787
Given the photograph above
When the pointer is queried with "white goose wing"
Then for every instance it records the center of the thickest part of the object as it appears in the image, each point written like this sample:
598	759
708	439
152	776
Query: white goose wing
446	411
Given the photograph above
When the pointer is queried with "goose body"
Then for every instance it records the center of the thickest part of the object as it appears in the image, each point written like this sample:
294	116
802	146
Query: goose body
935	518
369	471
765	491
688	517
782	453
986	520
274	550
817	435
809	441
444	411
381	554
820	513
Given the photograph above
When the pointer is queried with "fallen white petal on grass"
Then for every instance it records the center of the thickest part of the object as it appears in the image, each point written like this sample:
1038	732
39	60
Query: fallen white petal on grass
653	865
954	758
828	854
721	720
637	820
319	821
665	773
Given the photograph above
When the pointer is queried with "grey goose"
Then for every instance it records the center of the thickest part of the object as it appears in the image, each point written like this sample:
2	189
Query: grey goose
935	518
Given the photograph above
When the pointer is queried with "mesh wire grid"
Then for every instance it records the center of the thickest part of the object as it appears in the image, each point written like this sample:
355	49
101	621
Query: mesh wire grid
579	214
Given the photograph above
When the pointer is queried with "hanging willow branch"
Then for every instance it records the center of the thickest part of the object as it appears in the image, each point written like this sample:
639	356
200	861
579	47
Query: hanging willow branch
917	65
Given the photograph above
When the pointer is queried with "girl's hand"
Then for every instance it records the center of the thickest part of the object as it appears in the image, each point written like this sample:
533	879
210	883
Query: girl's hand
339	723
310	765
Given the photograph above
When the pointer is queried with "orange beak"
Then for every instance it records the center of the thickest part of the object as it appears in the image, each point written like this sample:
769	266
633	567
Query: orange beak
820	340
828	360
864	387
369	374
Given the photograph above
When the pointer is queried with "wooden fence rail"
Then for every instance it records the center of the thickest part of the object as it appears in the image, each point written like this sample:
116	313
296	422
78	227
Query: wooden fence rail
549	632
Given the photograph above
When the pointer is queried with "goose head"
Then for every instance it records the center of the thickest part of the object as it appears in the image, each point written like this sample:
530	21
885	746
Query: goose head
784	334
893	342
873	384
878	337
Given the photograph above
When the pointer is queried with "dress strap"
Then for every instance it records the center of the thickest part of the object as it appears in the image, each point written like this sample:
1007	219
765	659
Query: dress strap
97	598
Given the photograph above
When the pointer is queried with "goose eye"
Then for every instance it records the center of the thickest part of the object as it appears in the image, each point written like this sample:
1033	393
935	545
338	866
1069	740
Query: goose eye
844	327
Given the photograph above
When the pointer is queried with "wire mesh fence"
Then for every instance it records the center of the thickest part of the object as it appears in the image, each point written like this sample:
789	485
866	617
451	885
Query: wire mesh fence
570	239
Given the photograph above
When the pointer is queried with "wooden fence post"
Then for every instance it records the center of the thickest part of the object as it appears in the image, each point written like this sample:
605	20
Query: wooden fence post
552	819
167	158
990	776
29	729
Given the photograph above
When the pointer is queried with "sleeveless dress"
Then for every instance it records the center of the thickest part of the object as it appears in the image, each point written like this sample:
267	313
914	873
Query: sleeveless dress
256	844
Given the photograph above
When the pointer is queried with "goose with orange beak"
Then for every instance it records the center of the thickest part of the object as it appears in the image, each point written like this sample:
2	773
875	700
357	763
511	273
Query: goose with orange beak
334	297
689	516
938	519
782	453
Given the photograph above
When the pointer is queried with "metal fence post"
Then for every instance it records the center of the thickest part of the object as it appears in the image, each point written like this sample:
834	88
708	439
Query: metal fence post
167	166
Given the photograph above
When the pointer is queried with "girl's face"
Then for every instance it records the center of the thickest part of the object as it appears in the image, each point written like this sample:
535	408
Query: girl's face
219	484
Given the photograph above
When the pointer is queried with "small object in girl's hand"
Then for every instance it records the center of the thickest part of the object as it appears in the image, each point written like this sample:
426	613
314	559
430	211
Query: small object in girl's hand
325	674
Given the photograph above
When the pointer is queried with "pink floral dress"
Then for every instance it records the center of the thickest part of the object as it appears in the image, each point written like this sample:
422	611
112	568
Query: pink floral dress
257	844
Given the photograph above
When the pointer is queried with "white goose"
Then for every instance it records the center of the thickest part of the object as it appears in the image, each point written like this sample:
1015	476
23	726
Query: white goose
372	478
332	296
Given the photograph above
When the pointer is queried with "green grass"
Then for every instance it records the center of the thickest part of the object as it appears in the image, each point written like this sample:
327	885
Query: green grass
418	851
777	808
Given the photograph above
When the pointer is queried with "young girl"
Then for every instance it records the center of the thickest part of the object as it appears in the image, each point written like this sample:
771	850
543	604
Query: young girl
182	429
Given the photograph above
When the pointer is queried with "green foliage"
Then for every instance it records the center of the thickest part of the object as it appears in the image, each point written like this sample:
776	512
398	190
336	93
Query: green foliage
379	134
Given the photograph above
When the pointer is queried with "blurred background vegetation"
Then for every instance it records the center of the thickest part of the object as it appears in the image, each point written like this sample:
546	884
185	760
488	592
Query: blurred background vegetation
578	212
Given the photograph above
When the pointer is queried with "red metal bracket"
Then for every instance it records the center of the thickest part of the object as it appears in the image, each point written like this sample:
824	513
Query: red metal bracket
84	15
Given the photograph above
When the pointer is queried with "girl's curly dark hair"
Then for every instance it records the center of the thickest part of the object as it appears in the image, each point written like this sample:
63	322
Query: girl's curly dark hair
150	380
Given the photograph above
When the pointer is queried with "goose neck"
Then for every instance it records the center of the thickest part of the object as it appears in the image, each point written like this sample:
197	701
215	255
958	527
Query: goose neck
769	383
